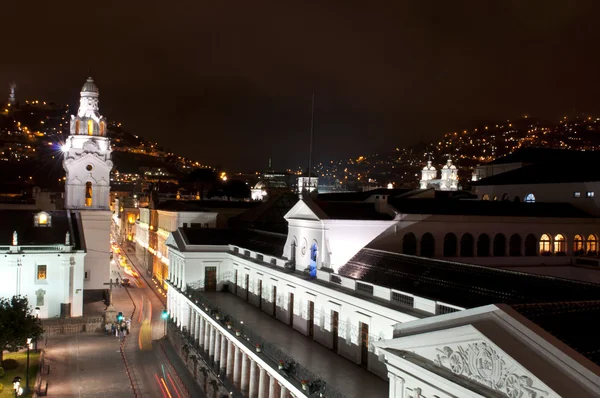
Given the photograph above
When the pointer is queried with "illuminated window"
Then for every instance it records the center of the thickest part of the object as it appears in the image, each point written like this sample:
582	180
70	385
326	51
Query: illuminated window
578	243
589	194
530	198
560	244
41	272
77	127
42	219
485	197
592	243
90	127
545	244
88	194
102	126
576	194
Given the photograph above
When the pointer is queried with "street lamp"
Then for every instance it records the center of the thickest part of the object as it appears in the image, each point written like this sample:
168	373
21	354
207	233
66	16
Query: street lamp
27	374
17	386
37	315
165	316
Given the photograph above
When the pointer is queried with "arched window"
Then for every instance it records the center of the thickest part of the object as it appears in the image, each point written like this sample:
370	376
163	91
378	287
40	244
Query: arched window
592	244
409	244
514	245
42	219
530	245
499	245
467	244
578	244
427	245
485	197
313	259
450	245
90	124
505	196
560	244
517	199
88	194
483	245
545	242
495	198
102	127
530	198
76	126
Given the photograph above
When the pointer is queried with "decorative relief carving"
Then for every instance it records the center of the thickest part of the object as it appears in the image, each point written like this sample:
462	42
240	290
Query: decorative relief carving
90	146
482	363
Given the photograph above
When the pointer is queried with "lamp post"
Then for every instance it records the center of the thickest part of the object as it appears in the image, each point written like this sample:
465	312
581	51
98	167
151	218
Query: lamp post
165	316
27	372
37	315
17	386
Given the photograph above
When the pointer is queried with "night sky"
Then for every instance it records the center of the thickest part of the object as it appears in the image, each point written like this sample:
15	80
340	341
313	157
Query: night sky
229	83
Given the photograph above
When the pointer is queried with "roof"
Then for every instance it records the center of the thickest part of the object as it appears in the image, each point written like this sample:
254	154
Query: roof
360	196
569	322
203	205
22	221
260	241
463	285
89	86
267	216
532	155
351	211
491	208
545	174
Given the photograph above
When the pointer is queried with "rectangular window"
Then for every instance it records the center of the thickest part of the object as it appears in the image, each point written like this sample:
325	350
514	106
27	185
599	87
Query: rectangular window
443	309
41	272
86	276
403	299
589	194
577	194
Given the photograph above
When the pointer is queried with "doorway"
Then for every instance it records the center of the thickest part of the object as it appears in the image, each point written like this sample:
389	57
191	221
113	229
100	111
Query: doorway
247	286
210	279
291	309
275	301
364	345
335	320
260	293
311	319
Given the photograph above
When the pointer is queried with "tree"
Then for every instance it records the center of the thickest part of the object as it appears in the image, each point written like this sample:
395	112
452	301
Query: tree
237	189
18	324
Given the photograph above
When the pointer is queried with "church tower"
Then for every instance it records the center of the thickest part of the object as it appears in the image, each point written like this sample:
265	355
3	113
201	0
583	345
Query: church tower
449	180
87	155
427	174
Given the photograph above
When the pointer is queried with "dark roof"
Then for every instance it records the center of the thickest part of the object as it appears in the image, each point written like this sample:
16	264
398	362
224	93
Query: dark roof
351	211
260	241
360	196
487	208
464	285
22	221
545	174
203	205
267	216
532	155
570	322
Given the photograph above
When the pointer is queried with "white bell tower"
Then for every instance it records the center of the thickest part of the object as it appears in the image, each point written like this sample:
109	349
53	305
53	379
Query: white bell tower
449	180
427	174
87	155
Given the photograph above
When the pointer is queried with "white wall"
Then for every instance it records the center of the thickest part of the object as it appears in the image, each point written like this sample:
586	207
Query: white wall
96	230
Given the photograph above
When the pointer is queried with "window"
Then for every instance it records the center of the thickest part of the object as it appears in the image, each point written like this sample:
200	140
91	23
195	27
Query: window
102	127
364	288
88	194
89	167
86	276
560	244
576	194
41	272
578	243
90	127
42	219
402	299
592	244
485	197
530	198
589	194
545	244
77	127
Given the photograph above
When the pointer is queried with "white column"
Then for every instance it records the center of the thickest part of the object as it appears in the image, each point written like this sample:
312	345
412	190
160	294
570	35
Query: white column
217	346
211	341
283	392
201	330
183	286
236	366
272	387
244	383
206	334
230	359
396	386
223	356
252	389
198	327
262	383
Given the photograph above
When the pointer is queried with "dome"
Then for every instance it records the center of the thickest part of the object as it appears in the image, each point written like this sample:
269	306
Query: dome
89	86
270	184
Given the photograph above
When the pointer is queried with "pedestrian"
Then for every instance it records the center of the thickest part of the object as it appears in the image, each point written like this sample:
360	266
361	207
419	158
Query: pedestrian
106	328
112	328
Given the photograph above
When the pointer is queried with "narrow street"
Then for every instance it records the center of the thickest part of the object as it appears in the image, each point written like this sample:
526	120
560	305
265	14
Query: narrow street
156	369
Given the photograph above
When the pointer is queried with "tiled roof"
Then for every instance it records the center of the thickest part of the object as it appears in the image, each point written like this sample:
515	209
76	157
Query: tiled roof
570	322
351	211
544	174
463	285
487	208
22	221
259	241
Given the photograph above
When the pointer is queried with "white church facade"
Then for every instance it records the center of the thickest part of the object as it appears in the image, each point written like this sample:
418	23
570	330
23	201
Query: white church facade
448	180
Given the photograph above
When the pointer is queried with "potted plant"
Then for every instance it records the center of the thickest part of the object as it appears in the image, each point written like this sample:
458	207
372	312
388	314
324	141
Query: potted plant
238	333
217	316
304	384
281	364
258	348
228	325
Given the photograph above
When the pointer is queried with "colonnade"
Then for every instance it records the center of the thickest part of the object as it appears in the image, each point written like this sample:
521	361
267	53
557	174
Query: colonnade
230	356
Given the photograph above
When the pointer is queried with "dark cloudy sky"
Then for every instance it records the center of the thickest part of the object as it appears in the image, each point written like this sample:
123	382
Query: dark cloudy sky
229	82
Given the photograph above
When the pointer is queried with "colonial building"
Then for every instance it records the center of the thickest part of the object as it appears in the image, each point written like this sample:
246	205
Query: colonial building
401	317
87	162
448	180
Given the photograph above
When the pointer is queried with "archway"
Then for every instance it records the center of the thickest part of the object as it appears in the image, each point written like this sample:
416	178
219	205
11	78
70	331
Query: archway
545	246
427	245
505	196
578	244
485	197
483	245
530	198
499	245
88	194
467	243
450	245
530	245
560	244
592	244
313	259
409	244
514	245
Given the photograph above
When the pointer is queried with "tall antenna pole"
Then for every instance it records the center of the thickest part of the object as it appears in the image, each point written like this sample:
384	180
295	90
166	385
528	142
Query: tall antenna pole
312	125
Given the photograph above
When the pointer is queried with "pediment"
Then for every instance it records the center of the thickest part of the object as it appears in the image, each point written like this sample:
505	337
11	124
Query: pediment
302	211
470	355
